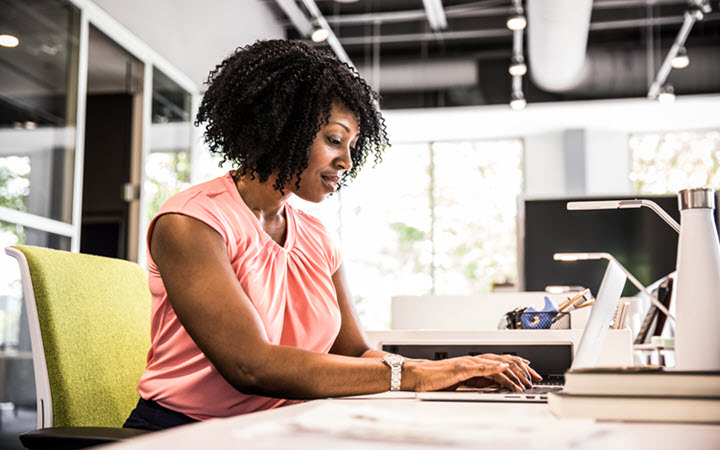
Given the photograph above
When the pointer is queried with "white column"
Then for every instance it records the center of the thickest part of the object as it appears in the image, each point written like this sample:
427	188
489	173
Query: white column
607	162
544	165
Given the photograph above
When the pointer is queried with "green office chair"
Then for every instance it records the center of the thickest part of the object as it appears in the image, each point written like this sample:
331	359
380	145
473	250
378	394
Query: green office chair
90	331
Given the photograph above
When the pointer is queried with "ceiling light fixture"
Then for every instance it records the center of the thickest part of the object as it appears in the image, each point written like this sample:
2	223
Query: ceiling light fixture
693	14
320	34
517	21
332	40
7	40
517	66
667	95
517	101
681	60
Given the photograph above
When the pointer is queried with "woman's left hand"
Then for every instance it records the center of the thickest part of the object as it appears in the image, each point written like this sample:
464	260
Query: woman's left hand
519	372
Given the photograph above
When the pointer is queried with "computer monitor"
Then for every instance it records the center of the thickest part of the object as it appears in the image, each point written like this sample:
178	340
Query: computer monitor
638	238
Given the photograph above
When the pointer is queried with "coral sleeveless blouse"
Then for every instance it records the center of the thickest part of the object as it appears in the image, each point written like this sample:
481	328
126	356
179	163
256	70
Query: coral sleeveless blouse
290	287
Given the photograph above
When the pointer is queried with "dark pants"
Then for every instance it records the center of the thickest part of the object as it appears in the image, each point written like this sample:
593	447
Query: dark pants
148	415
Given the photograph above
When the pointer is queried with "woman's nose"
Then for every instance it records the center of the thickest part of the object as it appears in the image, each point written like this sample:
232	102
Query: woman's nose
344	161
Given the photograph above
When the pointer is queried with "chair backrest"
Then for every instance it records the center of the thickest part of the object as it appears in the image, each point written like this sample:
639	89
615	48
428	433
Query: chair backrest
90	331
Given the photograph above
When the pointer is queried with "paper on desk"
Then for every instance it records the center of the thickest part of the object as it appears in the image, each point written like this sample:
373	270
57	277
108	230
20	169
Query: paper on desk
379	424
392	395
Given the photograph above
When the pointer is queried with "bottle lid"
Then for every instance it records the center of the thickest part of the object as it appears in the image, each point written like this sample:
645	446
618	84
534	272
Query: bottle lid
696	198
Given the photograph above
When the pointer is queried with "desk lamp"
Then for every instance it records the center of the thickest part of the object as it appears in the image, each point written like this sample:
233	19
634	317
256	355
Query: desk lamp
697	336
609	257
624	204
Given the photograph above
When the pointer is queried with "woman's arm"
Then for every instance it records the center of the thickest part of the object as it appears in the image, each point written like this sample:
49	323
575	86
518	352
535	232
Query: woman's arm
210	303
352	341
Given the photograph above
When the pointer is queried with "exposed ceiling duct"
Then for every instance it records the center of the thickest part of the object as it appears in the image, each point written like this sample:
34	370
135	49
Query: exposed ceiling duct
575	49
622	72
557	41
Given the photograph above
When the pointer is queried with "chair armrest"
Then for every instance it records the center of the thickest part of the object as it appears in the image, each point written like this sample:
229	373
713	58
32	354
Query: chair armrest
71	438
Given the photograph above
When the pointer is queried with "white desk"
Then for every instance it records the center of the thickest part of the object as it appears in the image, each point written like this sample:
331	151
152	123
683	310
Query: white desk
278	429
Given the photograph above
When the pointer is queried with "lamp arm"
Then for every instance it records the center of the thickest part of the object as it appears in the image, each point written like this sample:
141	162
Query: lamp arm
655	207
640	286
619	204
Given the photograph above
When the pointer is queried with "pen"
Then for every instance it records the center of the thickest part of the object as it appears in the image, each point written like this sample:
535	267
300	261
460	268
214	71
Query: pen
590	303
573	301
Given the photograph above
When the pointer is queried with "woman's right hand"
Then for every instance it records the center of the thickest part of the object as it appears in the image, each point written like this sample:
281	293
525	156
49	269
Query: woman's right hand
507	371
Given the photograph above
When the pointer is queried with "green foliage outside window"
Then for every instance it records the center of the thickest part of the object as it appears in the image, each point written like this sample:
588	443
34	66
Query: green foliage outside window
168	174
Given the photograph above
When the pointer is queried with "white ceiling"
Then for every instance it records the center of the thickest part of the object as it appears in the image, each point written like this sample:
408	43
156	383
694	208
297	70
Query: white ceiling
195	36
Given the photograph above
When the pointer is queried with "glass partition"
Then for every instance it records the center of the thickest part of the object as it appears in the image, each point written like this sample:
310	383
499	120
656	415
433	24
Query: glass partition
11	300
38	97
168	166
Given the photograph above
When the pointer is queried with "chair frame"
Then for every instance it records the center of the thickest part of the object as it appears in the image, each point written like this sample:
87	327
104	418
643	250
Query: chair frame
42	381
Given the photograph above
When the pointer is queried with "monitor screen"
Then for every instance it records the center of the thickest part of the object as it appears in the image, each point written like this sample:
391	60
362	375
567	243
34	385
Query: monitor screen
638	238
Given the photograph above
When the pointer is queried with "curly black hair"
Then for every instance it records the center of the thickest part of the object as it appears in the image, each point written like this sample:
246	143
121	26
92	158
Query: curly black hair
266	102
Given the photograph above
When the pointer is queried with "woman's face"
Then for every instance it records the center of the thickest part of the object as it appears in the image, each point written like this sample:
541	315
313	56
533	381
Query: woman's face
329	155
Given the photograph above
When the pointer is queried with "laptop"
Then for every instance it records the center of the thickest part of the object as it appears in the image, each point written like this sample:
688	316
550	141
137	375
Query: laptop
586	355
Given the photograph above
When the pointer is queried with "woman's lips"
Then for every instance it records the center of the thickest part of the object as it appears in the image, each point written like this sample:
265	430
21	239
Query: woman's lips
331	181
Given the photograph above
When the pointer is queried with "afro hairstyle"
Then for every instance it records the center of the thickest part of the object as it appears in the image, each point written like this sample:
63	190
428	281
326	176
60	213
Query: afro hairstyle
266	102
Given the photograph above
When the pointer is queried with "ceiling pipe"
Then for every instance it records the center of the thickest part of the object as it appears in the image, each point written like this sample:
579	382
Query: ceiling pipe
301	22
463	11
619	72
297	17
435	14
557	42
332	40
612	72
503	32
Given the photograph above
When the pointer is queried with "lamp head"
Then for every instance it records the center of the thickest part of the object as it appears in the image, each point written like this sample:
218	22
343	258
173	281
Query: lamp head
581	256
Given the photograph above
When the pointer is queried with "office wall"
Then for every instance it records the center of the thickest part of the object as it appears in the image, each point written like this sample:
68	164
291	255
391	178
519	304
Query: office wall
207	30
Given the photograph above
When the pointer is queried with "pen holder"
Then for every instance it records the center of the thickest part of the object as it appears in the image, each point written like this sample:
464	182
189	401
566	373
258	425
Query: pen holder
538	320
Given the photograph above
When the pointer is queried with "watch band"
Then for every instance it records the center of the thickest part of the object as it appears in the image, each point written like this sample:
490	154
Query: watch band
395	362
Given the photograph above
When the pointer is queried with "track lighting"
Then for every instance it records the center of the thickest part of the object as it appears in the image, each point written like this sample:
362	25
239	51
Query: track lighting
517	101
7	40
667	95
516	22
320	34
517	66
681	60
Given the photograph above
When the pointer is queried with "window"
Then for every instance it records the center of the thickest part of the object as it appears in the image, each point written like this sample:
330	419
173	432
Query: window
434	218
168	165
664	163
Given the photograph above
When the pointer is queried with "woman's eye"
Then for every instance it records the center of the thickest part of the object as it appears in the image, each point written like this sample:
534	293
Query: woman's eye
335	141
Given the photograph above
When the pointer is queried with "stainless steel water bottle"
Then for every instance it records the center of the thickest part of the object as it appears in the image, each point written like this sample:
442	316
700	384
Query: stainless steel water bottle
697	330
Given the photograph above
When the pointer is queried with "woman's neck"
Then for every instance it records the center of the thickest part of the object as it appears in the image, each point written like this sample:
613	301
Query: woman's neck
262	198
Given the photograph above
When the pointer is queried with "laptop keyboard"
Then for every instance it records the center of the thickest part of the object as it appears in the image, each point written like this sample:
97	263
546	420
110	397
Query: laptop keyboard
535	390
542	389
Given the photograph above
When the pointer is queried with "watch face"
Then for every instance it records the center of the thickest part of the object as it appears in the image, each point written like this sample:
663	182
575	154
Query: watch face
394	359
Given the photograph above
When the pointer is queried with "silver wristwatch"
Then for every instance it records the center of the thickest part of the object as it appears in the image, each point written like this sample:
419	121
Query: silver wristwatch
395	362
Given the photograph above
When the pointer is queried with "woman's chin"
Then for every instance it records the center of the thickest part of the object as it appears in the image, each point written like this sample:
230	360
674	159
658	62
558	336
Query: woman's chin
315	198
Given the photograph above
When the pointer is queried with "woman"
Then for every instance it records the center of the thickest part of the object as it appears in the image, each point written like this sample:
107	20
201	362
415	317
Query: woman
251	308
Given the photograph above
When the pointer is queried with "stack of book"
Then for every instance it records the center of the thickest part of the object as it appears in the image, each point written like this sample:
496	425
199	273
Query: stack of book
646	394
